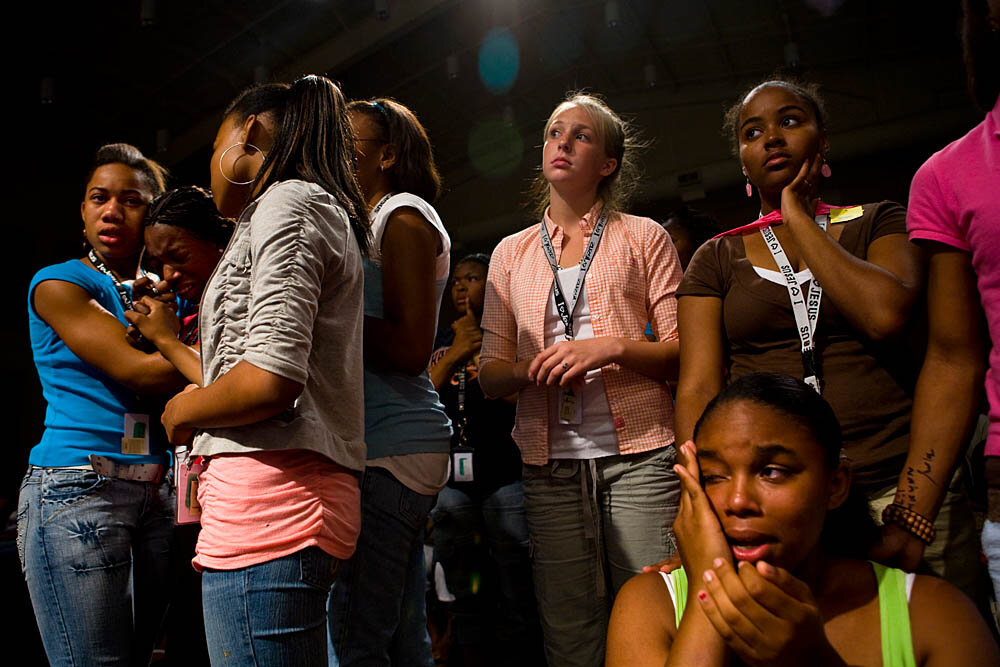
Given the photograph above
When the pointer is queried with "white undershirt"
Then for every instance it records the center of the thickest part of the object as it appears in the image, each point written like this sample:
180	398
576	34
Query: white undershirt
594	437
773	276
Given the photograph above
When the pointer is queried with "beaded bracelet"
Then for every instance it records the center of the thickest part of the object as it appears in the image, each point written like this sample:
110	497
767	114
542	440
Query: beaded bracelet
916	524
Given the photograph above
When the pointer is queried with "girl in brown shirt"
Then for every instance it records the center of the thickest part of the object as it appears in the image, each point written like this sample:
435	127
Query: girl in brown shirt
736	313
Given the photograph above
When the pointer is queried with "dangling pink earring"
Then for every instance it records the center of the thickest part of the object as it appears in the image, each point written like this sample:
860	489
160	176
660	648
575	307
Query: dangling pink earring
749	188
825	169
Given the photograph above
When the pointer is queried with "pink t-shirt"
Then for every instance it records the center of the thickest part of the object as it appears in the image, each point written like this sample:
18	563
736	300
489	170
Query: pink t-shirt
955	200
262	506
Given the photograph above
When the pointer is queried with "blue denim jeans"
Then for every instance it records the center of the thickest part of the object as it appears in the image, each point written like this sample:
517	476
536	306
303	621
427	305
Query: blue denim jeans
272	613
377	607
95	552
991	547
482	544
594	524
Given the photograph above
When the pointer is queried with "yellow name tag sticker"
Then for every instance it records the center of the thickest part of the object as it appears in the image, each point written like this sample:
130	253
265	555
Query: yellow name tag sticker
838	215
134	446
136	437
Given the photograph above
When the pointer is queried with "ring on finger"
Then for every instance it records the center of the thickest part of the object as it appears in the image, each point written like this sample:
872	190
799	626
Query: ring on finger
565	366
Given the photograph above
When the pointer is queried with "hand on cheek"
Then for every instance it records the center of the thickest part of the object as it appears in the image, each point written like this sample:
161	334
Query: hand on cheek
700	539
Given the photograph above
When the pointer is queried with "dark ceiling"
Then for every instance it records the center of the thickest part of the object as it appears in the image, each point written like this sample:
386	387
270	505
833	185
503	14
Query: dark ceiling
671	66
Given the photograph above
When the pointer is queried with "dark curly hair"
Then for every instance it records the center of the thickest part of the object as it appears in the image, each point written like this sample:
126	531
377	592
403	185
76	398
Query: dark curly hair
154	173
191	208
476	257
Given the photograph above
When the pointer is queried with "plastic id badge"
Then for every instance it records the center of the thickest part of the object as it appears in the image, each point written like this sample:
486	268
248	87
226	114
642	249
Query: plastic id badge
570	407
186	471
136	437
461	462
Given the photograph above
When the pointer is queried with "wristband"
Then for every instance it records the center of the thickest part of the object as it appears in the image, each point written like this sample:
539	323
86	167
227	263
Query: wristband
912	522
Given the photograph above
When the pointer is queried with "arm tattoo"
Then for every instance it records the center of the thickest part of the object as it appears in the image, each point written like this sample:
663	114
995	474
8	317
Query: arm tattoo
909	494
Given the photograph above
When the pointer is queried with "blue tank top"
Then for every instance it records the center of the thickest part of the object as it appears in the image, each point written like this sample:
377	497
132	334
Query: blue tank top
86	408
403	413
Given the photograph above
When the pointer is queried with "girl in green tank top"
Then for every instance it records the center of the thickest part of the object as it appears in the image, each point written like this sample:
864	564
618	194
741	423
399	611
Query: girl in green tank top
772	541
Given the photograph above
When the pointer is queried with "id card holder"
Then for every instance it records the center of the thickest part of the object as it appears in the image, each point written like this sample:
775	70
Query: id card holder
570	407
186	471
135	439
461	464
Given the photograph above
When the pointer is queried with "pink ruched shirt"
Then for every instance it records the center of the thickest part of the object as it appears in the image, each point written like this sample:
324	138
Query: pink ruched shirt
261	506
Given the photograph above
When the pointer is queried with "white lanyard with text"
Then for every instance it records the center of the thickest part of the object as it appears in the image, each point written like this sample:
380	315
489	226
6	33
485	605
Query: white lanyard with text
804	307
566	310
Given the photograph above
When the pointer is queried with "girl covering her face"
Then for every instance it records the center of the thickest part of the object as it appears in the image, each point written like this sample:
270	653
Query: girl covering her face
769	534
567	302
185	237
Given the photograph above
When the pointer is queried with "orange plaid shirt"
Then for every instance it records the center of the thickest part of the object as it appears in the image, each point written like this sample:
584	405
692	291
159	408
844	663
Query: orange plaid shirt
631	281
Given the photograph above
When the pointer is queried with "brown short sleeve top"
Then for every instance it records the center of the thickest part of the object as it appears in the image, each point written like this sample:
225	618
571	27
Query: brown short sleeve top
869	385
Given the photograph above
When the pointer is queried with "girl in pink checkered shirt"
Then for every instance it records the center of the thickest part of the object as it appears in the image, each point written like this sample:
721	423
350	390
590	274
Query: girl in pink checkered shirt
567	302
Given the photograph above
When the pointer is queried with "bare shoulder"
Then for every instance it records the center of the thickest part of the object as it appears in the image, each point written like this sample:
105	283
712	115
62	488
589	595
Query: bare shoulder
53	298
410	217
648	588
642	621
407	225
940	613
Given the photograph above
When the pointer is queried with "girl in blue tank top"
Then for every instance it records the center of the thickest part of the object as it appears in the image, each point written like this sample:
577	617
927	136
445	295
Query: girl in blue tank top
770	535
95	513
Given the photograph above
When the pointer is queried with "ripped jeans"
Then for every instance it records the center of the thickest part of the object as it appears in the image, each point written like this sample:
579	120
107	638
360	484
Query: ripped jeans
95	552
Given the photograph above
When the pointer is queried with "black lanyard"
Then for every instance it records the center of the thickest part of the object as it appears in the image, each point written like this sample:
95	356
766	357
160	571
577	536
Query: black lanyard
566	310
124	293
463	438
381	202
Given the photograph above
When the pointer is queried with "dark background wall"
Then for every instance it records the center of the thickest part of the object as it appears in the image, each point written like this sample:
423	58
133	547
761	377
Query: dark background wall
483	76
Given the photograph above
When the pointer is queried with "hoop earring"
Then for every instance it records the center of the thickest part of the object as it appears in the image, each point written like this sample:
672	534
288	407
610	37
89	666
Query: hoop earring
223	171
